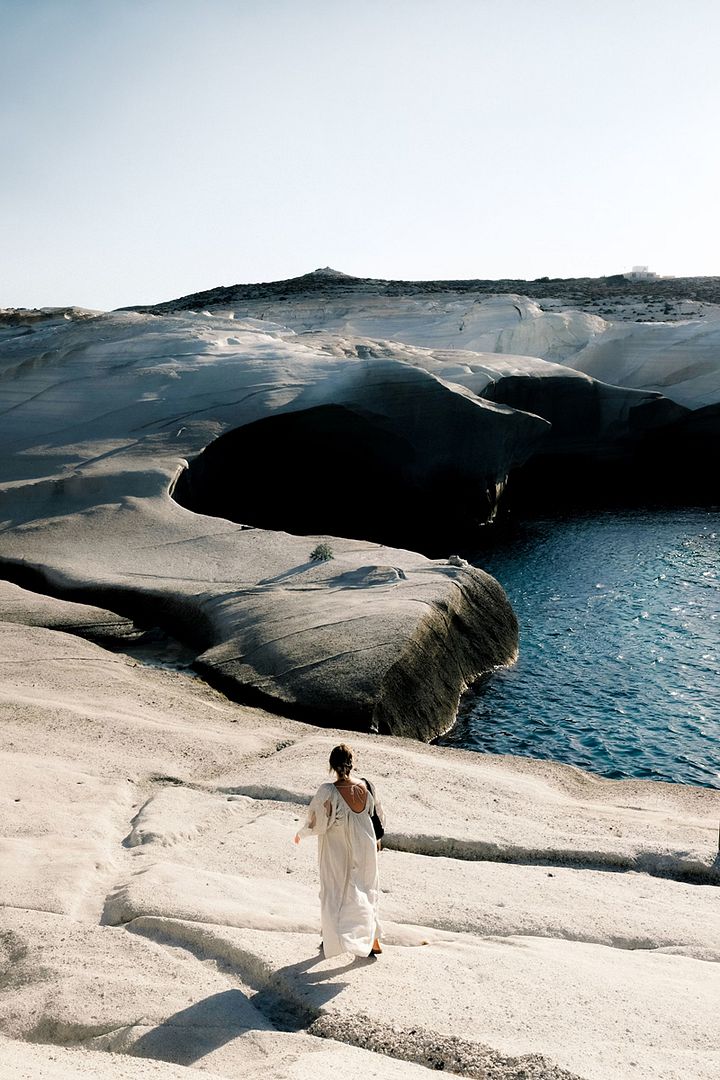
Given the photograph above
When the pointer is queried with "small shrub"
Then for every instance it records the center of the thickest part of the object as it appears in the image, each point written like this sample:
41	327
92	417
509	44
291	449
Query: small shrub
321	553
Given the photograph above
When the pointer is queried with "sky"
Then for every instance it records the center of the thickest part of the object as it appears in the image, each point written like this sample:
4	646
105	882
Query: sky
154	148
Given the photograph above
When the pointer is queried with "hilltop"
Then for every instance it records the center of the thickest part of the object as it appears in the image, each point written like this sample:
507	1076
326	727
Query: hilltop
602	295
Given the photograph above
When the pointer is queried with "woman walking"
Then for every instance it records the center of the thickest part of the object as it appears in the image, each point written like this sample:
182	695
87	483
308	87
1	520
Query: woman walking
340	815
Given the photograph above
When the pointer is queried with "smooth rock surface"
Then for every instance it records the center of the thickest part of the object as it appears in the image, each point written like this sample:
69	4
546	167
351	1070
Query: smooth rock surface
538	921
627	348
35	609
586	416
100	416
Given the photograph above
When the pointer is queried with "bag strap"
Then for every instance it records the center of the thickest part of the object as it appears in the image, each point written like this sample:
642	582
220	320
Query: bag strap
368	785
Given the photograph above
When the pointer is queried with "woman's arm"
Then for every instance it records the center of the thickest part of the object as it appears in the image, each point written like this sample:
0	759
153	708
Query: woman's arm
320	814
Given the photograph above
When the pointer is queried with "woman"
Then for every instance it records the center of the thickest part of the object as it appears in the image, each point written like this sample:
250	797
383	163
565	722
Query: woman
340	816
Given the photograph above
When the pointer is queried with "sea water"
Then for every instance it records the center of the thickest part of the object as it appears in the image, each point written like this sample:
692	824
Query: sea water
619	665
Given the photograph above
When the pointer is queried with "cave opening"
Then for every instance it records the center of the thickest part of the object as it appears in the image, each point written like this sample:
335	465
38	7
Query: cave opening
333	470
340	471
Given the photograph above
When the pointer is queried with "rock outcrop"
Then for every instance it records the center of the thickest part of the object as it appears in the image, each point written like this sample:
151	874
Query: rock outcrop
271	440
377	450
619	336
32	609
604	444
615	439
101	416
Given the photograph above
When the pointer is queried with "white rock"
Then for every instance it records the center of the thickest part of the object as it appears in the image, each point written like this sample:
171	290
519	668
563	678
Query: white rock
210	928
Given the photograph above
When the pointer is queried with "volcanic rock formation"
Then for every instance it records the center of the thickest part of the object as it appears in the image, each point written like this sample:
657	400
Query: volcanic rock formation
100	418
281	415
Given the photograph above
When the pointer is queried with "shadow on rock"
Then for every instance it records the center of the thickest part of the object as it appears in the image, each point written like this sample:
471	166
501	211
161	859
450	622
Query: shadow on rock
301	569
194	1032
298	993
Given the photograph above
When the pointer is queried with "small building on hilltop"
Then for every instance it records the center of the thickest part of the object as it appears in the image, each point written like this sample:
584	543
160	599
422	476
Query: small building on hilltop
641	273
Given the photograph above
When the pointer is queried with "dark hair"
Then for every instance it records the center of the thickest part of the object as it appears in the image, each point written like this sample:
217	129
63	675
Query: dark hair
341	760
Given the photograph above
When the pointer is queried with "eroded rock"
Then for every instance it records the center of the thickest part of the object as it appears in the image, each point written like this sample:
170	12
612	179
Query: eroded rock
129	399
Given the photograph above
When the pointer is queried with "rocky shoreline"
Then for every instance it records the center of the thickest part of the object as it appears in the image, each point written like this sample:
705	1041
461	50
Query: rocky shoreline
180	468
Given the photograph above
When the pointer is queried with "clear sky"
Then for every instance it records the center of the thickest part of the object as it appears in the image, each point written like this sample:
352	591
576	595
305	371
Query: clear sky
153	148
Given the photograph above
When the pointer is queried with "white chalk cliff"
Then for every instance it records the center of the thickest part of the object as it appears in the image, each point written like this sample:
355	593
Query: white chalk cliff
679	359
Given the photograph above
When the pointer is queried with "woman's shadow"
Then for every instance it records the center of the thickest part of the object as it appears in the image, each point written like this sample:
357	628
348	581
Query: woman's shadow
297	993
291	1000
192	1033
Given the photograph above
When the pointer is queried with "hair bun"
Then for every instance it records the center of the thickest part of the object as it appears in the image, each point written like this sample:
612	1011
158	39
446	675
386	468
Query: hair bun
341	759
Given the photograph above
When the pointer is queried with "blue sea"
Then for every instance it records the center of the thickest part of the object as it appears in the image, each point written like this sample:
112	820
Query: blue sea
619	667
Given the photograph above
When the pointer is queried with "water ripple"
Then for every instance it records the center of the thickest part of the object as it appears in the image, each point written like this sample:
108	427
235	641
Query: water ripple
619	662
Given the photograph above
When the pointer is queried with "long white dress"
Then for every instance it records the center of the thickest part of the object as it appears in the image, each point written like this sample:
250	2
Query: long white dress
347	857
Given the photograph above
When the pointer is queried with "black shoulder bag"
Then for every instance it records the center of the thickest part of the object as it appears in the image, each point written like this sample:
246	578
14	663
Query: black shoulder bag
377	824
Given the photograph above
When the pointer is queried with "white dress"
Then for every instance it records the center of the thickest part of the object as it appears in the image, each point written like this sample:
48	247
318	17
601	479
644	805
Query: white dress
347	856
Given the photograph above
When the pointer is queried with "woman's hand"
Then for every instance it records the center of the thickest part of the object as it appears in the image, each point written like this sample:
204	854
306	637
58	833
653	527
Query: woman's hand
296	838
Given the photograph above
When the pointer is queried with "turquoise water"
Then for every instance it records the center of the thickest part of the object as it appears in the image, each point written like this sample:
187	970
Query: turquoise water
619	668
